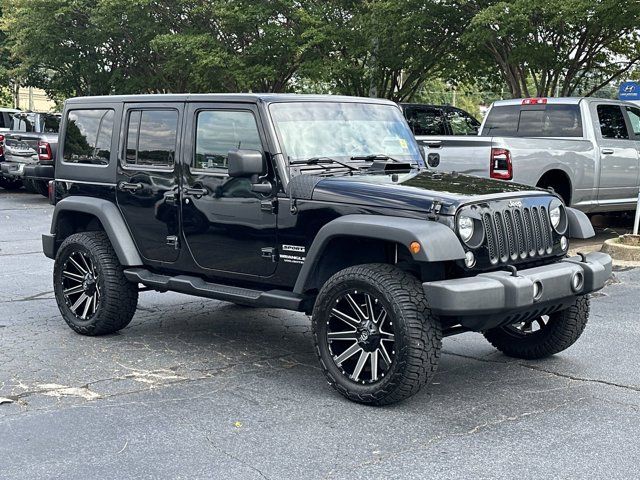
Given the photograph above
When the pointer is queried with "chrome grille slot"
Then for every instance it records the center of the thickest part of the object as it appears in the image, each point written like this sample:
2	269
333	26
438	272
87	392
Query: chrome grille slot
519	232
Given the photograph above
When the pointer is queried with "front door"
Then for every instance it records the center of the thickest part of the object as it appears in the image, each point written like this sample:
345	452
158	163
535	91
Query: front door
618	155
147	187
228	228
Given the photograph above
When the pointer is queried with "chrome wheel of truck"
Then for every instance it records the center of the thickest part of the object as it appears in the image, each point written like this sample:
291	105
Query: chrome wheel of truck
375	337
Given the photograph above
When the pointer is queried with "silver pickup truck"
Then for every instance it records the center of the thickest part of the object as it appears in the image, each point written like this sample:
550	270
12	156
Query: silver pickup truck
586	149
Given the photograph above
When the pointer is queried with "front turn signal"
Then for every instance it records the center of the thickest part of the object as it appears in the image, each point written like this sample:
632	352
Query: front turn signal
415	247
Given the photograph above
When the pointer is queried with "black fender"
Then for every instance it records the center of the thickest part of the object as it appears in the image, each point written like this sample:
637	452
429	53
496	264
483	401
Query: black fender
111	220
579	224
439	243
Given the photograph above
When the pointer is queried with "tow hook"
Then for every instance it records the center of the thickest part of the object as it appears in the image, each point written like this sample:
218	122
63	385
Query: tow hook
583	257
512	269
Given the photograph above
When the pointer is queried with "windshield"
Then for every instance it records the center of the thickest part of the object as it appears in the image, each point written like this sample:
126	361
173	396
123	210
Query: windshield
343	130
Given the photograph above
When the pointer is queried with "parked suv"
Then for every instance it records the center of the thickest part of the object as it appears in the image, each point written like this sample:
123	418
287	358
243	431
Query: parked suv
316	204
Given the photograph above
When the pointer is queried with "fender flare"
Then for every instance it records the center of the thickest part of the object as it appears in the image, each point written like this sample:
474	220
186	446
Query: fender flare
439	242
110	218
579	225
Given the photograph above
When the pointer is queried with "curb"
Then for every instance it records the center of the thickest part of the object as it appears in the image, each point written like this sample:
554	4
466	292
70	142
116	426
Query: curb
620	251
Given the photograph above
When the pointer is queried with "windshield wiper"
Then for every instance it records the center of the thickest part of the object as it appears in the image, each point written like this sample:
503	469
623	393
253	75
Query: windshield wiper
322	160
378	156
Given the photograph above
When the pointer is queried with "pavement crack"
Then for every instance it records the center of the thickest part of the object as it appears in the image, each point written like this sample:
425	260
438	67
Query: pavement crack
633	388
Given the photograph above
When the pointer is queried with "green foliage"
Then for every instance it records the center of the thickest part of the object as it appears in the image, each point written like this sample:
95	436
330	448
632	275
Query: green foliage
544	47
395	49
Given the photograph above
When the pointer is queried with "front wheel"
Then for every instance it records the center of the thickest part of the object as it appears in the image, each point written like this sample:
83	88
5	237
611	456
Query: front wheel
376	338
542	336
91	290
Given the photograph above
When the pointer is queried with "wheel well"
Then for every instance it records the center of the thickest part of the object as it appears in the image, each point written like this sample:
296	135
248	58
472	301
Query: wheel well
70	222
560	182
344	252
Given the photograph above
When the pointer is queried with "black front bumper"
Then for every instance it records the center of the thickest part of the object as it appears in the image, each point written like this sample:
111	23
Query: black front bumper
492	299
12	169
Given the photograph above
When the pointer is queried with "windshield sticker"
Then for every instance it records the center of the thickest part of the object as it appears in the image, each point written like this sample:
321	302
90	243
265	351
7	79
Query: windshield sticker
403	144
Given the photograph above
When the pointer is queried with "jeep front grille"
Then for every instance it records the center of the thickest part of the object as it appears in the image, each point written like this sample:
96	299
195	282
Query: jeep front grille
517	233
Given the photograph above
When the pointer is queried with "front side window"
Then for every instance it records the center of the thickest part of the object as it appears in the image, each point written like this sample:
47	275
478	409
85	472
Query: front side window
342	130
218	132
87	138
151	138
634	117
612	124
462	123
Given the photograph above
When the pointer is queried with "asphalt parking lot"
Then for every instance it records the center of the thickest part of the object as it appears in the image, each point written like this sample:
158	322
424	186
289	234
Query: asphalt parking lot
197	388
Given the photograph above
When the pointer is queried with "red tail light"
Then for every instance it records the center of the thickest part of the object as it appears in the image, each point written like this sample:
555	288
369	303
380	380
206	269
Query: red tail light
44	151
501	167
1	144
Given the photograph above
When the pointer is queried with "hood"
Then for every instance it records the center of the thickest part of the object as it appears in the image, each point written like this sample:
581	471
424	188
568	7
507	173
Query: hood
418	190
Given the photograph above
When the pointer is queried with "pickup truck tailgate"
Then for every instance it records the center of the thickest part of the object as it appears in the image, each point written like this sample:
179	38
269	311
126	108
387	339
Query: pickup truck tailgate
464	154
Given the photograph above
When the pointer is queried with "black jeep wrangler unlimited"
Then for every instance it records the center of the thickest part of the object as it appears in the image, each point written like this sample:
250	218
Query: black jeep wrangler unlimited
318	204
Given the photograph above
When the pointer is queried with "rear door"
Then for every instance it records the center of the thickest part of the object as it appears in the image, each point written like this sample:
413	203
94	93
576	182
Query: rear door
147	183
229	229
619	157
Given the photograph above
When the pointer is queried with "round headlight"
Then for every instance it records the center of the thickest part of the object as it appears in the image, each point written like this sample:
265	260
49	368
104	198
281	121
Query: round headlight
556	214
465	228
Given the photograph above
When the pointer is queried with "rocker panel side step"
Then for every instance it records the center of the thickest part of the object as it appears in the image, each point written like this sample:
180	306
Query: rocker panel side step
199	287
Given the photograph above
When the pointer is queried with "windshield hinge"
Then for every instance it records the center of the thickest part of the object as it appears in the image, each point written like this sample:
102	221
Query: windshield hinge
293	206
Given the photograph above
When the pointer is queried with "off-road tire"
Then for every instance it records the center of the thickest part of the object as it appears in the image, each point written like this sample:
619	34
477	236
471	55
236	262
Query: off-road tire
118	296
561	331
10	184
418	334
41	187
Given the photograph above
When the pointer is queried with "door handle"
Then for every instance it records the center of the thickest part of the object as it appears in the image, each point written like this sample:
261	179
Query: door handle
196	192
607	151
129	187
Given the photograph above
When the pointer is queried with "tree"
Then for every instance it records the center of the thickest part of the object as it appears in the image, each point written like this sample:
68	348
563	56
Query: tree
549	46
389	48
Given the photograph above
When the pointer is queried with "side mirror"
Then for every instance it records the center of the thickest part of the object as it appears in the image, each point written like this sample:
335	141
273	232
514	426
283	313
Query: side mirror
246	163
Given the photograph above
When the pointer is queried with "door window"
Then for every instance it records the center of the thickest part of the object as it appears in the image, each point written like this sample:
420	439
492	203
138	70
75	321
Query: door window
218	132
612	124
634	117
462	123
151	138
425	121
87	138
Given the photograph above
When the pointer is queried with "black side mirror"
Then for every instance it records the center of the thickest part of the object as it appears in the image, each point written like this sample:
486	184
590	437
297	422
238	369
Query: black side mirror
246	163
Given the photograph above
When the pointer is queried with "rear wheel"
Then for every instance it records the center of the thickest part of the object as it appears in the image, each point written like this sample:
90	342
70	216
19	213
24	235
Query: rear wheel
376	339
41	187
542	336
9	184
92	293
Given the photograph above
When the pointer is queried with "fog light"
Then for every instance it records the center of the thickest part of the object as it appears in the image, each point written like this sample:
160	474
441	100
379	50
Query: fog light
469	259
563	242
577	281
537	290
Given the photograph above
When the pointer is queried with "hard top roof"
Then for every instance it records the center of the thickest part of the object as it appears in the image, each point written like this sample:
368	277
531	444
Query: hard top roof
226	97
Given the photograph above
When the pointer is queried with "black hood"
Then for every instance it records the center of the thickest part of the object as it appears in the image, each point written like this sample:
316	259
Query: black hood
408	191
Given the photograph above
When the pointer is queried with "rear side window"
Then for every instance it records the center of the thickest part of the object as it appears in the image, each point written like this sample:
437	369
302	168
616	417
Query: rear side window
4	120
425	121
218	132
534	121
151	138
612	124
87	138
